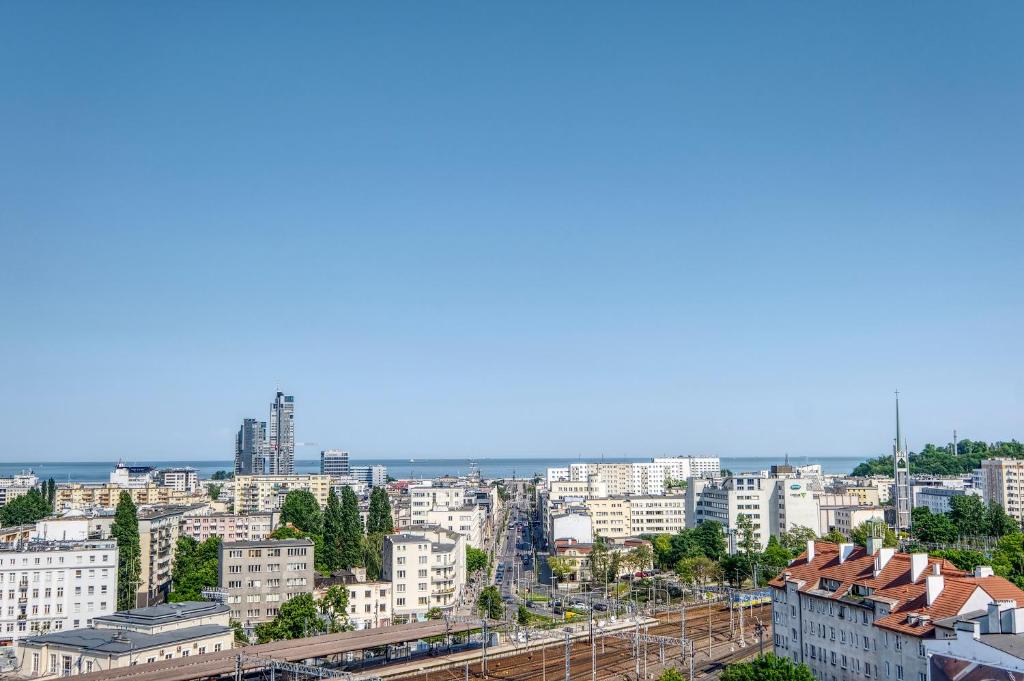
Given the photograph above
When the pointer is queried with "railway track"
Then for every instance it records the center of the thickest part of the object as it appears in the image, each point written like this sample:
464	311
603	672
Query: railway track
614	658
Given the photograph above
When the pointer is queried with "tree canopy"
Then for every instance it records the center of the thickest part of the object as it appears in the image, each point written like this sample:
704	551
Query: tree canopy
378	519
475	560
331	558
301	509
28	508
195	568
940	460
768	667
351	529
299	617
125	529
489	603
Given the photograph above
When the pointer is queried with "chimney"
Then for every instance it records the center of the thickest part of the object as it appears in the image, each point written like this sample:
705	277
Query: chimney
873	545
1016	623
983	571
844	552
883	558
965	629
934	584
918	563
810	550
992	619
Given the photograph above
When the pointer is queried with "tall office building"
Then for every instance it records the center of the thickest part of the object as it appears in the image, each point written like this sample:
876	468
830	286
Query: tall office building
251	448
281	457
901	468
334	462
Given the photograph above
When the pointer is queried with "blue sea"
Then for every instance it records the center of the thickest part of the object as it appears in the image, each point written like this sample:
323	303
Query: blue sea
93	471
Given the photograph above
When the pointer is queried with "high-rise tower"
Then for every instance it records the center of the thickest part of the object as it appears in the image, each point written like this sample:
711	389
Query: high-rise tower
281	458
251	448
901	475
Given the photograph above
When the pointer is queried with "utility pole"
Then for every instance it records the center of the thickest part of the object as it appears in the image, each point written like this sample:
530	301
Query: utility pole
692	655
544	663
709	630
483	661
682	631
743	642
568	652
593	645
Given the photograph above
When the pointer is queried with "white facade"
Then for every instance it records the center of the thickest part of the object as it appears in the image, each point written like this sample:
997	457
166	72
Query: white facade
578	526
557	474
427	569
334	462
180	479
1003	481
374	476
774	505
467	521
53	586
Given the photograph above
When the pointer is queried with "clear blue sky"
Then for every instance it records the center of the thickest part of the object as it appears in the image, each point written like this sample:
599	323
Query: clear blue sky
482	229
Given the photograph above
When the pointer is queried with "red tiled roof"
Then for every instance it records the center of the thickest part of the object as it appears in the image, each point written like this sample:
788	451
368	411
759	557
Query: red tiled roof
894	583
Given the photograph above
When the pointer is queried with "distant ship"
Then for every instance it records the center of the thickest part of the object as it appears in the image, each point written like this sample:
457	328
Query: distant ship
412	460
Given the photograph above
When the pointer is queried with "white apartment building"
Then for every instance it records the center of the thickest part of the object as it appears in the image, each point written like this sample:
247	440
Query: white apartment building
574	489
426	497
1003	481
572	524
55	585
427	569
774	505
180	479
937	499
264	493
560	474
845	517
369	602
656	515
468	521
982	645
869	613
641	477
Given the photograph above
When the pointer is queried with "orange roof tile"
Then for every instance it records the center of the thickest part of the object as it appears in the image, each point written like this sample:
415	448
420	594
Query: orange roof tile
894	583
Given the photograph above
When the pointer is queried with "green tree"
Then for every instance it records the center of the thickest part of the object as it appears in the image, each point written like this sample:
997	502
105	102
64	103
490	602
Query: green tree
241	639
600	562
373	554
560	567
962	558
767	668
378	519
873	528
662	544
331	559
710	538
125	529
774	559
795	540
334	606
299	617
222	475
195	568
932	528
745	534
351	529
671	674
1008	558
28	508
522	615
300	508
834	536
698	570
475	560
489	603
214	489
51	493
998	522
968	513
288	532
640	558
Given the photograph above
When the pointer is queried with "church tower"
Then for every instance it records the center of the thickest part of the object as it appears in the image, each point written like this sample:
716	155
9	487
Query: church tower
901	471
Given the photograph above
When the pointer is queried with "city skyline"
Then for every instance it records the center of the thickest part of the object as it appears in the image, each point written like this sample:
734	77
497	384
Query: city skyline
511	231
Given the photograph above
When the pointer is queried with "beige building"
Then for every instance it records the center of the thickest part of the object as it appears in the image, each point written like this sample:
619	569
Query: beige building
127	638
264	493
256	577
78	495
468	521
426	566
610	517
230	526
1004	484
845	518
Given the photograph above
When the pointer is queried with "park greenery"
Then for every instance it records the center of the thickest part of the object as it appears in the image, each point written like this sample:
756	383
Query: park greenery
125	530
195	568
968	519
940	460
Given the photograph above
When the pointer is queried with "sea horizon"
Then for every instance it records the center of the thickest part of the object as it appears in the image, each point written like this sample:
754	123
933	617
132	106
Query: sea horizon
405	468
